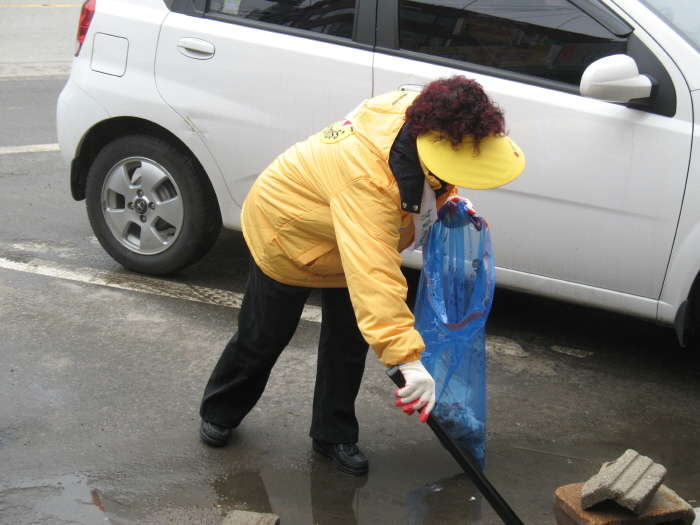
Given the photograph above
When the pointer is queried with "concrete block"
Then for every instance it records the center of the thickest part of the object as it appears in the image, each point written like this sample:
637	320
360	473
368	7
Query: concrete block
241	517
666	507
631	481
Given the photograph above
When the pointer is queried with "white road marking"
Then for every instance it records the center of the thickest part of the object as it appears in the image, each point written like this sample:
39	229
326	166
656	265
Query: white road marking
572	351
16	6
140	283
55	68
503	345
33	148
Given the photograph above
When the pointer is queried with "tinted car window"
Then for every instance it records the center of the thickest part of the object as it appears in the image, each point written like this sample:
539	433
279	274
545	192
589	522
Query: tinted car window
330	17
551	39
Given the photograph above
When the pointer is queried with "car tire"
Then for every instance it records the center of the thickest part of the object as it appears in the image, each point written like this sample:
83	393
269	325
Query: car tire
691	333
150	205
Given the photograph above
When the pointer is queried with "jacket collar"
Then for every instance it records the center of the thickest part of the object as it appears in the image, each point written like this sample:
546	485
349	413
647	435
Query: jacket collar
406	168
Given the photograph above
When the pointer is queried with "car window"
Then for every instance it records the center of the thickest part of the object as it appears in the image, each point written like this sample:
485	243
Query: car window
683	15
330	17
550	39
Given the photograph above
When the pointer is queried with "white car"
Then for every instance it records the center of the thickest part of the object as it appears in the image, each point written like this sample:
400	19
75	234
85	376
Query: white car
174	107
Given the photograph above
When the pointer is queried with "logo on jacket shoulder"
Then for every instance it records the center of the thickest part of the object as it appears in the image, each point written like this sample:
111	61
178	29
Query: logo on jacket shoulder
336	132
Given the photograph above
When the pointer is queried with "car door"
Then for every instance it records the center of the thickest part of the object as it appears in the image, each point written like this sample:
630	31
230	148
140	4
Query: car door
252	77
592	219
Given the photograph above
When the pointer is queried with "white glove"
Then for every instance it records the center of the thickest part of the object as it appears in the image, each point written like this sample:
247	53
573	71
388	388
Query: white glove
419	392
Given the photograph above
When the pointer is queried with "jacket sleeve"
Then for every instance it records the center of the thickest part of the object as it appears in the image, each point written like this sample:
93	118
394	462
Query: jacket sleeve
367	218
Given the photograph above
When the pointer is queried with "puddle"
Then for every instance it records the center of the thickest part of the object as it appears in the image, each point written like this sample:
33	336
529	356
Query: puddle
73	499
61	500
397	492
326	496
318	496
442	501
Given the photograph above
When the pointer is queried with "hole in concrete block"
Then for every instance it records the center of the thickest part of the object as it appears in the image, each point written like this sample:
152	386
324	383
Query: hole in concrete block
610	506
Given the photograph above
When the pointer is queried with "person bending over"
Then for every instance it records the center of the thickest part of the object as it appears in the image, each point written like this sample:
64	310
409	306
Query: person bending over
334	212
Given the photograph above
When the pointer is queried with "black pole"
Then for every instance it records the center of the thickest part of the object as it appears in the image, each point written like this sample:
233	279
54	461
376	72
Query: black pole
465	461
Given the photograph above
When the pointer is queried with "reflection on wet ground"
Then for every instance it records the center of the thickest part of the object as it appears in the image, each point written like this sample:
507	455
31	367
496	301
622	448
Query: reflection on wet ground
325	496
318	497
434	503
315	494
65	499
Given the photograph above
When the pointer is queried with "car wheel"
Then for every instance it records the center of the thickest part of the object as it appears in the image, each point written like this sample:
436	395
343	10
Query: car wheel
150	205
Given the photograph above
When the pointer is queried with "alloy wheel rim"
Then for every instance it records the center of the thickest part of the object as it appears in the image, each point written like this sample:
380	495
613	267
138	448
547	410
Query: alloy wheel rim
142	205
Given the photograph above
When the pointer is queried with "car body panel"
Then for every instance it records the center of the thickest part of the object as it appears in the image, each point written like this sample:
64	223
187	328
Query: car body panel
139	23
684	263
607	196
685	259
74	124
308	85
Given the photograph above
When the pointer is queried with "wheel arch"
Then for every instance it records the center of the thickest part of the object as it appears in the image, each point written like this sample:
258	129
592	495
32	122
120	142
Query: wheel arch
105	132
192	223
680	298
687	320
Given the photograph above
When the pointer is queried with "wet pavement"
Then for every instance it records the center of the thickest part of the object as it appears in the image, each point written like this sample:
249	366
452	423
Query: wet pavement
101	389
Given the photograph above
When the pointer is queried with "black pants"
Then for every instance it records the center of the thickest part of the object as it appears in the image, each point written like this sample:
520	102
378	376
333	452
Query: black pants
268	318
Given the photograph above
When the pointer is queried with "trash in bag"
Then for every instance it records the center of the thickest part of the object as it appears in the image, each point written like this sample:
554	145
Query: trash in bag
453	302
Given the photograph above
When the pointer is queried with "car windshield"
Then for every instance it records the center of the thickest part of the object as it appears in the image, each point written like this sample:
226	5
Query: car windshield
682	15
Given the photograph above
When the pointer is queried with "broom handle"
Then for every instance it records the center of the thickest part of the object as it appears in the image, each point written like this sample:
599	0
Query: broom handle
465	461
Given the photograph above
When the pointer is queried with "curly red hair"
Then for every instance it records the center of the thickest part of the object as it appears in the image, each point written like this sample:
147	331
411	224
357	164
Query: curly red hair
455	107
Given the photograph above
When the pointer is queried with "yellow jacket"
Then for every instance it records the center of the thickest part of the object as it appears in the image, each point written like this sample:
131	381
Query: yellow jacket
328	213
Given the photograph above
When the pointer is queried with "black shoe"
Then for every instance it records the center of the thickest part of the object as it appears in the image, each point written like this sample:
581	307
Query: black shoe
345	456
214	435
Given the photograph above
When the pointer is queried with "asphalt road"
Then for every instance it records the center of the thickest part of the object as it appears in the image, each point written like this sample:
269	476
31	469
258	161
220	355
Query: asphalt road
102	371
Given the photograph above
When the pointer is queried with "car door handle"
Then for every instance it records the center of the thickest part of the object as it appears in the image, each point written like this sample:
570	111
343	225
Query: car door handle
196	48
411	87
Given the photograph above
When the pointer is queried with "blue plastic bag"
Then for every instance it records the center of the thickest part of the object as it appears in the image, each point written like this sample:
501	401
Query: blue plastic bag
454	299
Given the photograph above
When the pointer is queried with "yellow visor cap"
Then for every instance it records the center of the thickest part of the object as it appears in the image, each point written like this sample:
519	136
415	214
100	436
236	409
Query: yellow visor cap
498	161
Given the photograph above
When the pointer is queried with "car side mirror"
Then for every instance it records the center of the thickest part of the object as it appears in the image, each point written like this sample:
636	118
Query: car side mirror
615	78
